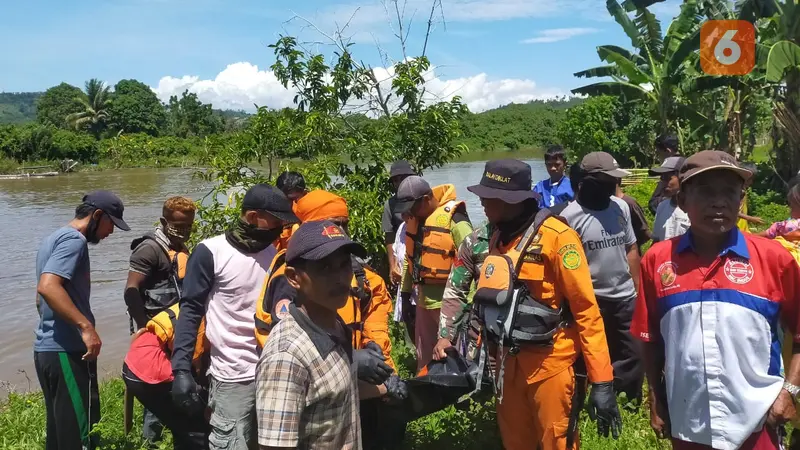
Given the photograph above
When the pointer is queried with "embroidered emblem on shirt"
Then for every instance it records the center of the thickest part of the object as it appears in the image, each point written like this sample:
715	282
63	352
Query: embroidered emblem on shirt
739	270
667	273
489	270
571	259
537	238
282	309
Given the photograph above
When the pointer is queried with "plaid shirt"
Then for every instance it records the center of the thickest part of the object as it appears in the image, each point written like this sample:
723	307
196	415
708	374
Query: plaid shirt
306	392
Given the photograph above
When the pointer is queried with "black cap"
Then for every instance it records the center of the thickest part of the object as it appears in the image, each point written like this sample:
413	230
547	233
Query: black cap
667	141
263	197
316	240
401	168
109	203
508	180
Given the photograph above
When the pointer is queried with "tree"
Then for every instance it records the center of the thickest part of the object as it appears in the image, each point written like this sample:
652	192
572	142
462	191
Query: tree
135	108
57	103
652	72
605	124
188	116
95	103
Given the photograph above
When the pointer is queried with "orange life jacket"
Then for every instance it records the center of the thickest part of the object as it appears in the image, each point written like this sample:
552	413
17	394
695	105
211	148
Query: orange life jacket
283	242
511	315
430	249
163	326
352	313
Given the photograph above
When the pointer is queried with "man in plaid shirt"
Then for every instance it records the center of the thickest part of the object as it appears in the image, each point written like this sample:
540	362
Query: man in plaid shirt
306	393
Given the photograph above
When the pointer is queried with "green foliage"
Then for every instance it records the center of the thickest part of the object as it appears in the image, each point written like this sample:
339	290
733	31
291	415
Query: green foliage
95	104
58	102
605	124
515	126
188	116
136	150
37	142
18	108
136	109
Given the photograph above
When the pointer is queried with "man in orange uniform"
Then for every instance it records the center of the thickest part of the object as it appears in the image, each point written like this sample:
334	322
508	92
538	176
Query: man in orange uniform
555	318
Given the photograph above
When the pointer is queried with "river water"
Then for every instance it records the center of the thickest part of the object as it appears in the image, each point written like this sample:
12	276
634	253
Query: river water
32	209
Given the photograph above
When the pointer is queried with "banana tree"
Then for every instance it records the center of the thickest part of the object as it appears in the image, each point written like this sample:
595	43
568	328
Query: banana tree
652	72
780	27
734	104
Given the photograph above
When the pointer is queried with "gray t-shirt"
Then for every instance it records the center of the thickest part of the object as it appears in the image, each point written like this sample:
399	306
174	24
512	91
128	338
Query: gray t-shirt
606	235
391	220
63	253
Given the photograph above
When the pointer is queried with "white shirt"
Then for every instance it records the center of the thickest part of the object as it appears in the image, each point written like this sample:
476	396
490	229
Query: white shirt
238	281
670	221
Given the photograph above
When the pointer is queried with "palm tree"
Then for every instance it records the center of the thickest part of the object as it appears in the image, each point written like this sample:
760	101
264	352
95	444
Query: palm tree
653	71
95	101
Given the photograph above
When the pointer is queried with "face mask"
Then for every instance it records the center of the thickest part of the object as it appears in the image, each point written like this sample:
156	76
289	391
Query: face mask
595	193
91	230
251	239
263	235
178	234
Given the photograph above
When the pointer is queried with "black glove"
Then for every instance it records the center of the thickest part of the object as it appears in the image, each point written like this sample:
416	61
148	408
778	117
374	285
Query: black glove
396	389
603	409
370	365
185	393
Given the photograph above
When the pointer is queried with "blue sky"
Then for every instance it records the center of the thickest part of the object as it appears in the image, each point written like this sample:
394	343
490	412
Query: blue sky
489	51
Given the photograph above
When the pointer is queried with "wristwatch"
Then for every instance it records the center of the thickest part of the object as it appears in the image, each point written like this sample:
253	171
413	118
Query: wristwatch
791	388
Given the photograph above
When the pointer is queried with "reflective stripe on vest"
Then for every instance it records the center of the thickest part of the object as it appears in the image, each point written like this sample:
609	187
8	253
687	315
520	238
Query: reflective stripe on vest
431	250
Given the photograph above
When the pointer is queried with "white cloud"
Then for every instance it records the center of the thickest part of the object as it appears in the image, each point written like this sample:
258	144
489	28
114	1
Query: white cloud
241	85
558	34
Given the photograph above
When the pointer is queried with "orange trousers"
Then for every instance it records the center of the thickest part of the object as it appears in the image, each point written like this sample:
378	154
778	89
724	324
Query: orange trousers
535	416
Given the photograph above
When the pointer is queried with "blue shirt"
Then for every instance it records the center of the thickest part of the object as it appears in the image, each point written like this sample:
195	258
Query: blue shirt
554	193
66	254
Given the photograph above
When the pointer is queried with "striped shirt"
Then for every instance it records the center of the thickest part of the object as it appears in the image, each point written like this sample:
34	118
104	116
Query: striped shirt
720	325
306	391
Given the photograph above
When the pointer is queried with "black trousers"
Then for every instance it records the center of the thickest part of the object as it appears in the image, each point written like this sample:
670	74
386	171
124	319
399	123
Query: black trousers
378	433
188	432
71	399
628	367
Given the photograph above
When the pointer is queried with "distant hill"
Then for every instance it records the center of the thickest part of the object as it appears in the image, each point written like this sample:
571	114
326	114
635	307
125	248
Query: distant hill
516	126
18	107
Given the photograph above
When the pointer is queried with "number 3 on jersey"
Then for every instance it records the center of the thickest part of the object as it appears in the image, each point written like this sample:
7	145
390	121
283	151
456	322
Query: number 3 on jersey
727	47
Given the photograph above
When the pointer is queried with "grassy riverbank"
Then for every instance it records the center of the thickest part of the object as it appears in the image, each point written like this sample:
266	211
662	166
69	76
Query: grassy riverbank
22	414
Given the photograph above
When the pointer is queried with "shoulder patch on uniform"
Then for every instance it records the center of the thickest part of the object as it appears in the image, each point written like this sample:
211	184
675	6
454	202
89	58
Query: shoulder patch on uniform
570	256
282	308
532	258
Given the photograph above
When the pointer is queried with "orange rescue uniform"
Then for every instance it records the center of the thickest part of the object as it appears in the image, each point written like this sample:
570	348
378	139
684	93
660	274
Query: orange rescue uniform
539	381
